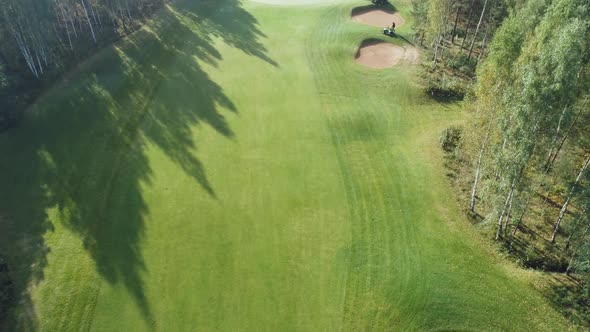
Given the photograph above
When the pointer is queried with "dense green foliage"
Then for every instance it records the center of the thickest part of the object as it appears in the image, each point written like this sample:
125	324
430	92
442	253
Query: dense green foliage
230	167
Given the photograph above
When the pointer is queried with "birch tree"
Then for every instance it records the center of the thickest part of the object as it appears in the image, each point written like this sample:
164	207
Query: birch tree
483	11
566	203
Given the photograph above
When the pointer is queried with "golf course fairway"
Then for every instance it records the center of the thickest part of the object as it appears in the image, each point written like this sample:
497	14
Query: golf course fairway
230	167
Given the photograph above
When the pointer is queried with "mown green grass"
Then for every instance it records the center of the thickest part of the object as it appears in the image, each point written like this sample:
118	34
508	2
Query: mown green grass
232	168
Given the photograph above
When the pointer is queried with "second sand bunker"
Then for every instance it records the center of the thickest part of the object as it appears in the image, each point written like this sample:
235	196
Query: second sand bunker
378	18
381	55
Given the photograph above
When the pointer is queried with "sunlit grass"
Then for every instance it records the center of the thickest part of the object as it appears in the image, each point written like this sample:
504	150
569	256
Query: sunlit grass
232	168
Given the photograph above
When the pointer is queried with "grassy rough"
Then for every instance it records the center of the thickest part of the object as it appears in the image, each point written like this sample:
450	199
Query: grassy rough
231	168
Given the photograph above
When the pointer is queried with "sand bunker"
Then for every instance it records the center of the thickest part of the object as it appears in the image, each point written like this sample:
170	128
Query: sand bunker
377	17
380	55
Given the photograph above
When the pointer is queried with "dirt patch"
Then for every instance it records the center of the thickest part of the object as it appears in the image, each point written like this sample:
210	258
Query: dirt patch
380	55
411	55
377	17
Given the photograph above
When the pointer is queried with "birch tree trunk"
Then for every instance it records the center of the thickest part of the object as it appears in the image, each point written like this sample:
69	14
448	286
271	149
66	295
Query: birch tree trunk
436	42
63	14
500	220
508	212
89	22
477	29
567	200
565	136
552	159
524	211
73	26
555	137
497	176
455	25
508	204
477	170
483	46
569	238
468	23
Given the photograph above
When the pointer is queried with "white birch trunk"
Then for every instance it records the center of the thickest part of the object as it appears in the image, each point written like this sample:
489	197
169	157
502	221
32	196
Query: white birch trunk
500	220
507	215
567	200
477	29
468	24
89	22
569	238
519	221
483	47
477	171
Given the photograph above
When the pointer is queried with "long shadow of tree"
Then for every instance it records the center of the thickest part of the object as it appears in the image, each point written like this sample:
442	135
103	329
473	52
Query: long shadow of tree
81	150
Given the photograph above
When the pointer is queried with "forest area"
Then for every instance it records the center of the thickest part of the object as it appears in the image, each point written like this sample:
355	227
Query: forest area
40	40
519	164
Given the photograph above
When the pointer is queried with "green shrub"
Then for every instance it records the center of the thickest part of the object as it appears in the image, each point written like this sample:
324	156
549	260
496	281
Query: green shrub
446	87
463	64
451	138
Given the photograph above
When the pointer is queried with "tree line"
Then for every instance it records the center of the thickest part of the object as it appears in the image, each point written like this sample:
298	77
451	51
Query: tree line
530	114
526	144
40	39
456	35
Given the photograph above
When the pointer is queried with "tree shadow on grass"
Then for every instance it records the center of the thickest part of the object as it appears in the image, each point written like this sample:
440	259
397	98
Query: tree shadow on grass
404	39
569	296
80	156
387	7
